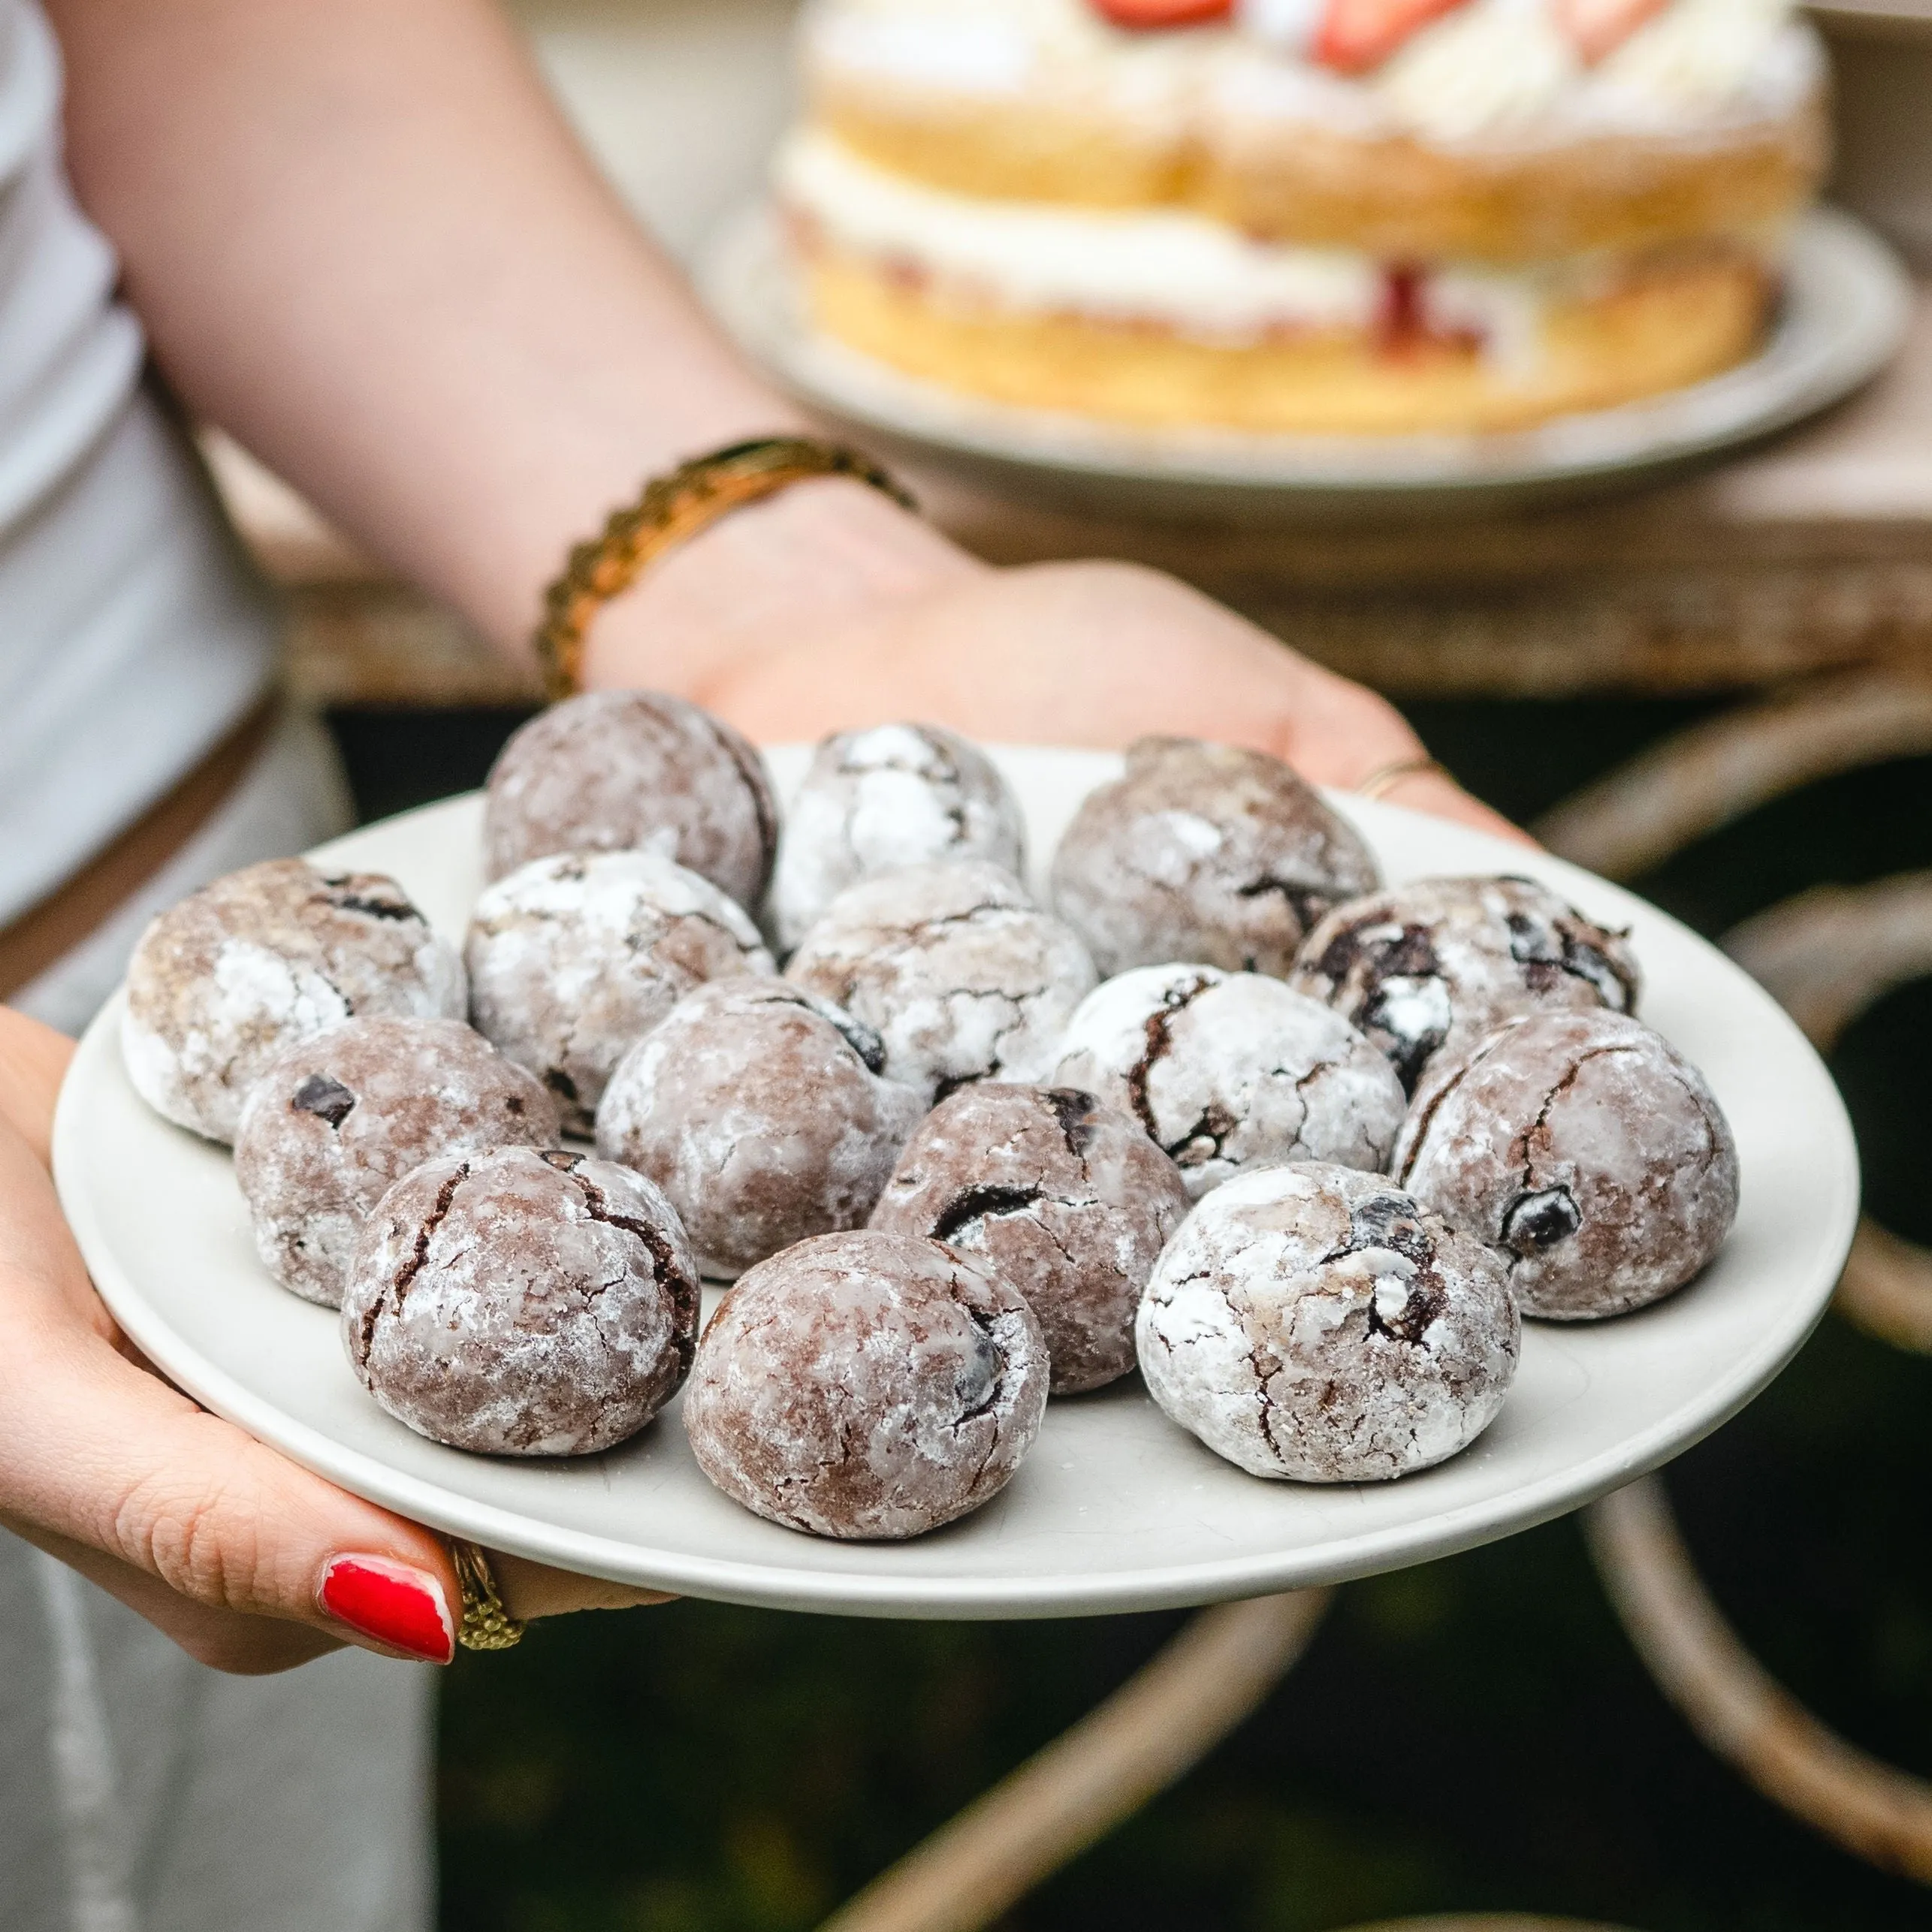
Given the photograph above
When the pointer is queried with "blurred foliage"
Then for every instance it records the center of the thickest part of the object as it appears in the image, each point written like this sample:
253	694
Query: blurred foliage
1471	1735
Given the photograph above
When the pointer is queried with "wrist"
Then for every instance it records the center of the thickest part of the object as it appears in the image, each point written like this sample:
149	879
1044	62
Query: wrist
818	558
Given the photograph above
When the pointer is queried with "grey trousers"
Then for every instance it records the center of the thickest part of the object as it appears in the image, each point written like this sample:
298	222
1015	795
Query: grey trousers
140	1791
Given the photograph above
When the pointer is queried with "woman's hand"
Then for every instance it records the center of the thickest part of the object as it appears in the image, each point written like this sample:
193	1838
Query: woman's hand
1093	654
230	1550
827	607
248	1562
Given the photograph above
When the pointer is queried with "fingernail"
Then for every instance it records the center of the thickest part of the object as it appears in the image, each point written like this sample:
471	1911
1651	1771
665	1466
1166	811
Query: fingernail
395	1604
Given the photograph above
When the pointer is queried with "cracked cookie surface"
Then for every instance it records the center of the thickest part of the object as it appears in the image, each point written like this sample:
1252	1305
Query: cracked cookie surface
761	1111
1228	1070
1063	1199
1432	965
1207	852
621	771
873	801
335	1120
522	1303
1316	1324
1586	1150
960	974
866	1385
574	958
222	983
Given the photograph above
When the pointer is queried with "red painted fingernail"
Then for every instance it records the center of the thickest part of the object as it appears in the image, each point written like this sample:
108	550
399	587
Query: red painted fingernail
395	1604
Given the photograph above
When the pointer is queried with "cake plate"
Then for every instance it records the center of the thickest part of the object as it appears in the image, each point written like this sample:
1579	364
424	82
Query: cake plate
1845	304
1116	1508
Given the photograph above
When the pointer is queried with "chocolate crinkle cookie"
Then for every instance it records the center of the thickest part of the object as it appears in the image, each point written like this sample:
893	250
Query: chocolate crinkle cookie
522	1303
573	958
1205	852
1436	963
897	795
221	982
1059	1197
1230	1071
761	1113
866	1385
335	1120
953	965
619	771
1317	1323
1586	1151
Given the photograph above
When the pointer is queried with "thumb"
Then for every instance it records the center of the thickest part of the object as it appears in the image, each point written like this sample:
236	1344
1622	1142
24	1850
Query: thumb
97	1454
102	1455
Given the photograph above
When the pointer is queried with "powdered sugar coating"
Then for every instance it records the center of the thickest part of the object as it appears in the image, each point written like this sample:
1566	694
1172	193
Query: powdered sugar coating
335	1120
522	1303
1231	1070
1435	963
872	801
1206	852
866	1385
619	770
573	958
760	1112
221	982
1062	1199
1317	1323
1586	1150
960	975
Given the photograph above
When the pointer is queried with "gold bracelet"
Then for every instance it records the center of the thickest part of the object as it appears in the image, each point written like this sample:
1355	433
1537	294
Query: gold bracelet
486	1625
1386	777
672	508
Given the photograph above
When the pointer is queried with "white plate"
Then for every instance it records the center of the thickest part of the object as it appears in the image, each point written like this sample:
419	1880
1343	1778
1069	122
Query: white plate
1846	304
1116	1508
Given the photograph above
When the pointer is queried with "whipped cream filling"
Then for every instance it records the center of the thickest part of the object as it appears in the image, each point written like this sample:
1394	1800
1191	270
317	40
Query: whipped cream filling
1200	278
998	49
1492	70
1489	66
1710	59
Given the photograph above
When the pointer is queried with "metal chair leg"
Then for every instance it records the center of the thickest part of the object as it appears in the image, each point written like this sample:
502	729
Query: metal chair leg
1738	1709
1151	1731
1694	782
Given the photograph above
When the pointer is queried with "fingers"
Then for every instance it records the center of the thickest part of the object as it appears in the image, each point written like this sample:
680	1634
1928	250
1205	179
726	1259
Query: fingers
530	1590
1090	653
98	1453
1249	687
1339	733
243	1646
183	1498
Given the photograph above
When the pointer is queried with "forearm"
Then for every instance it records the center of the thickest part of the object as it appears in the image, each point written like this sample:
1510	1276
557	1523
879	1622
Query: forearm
362	241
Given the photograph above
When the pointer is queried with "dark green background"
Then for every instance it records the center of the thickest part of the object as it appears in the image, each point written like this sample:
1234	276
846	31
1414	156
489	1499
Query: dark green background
1470	1735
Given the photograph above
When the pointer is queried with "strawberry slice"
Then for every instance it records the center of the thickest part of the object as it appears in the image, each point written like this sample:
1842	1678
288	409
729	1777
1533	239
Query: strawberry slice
1356	35
1598	28
1147	16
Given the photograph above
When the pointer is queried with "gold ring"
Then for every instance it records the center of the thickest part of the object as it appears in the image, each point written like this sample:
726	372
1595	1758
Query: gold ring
486	1625
1386	777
